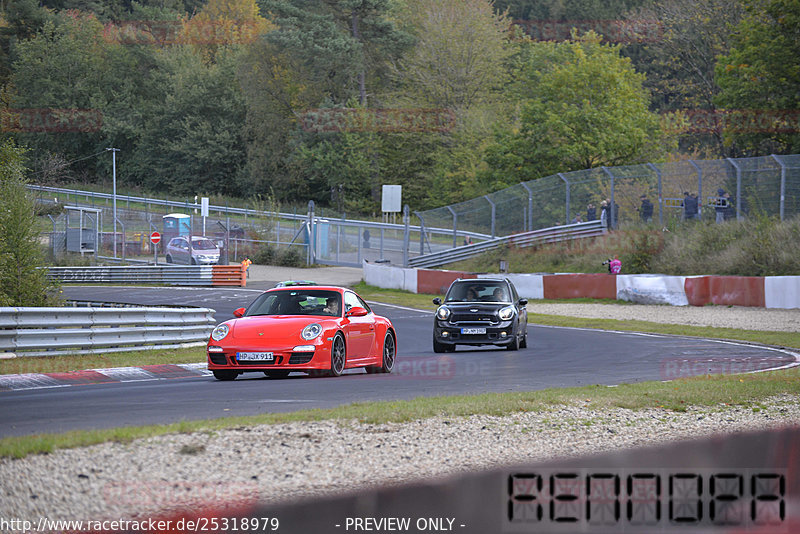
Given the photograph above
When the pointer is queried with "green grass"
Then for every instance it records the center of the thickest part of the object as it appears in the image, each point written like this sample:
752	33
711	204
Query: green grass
706	391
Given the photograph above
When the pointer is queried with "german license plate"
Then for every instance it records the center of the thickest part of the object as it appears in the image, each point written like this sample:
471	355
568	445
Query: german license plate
254	356
473	331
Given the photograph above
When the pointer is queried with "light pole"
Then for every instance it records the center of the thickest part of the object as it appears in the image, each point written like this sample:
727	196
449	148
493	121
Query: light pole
114	179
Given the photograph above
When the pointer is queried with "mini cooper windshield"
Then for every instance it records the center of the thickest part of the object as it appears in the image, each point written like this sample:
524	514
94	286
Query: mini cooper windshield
478	291
297	302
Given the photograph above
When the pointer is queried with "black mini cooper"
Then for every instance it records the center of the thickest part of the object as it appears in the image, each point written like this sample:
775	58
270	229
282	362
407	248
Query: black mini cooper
480	311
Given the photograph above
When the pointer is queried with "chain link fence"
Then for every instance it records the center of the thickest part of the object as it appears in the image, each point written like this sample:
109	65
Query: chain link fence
736	188
720	190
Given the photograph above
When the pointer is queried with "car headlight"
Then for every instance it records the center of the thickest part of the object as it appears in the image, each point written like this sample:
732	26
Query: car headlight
311	331
219	333
506	313
443	313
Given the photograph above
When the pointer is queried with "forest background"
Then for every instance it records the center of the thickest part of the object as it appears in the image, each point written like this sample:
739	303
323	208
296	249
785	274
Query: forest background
288	99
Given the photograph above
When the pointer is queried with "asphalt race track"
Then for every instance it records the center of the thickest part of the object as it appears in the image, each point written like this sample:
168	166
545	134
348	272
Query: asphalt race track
555	357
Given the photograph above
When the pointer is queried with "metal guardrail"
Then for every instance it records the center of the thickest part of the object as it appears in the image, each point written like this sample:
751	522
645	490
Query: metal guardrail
526	239
195	275
55	331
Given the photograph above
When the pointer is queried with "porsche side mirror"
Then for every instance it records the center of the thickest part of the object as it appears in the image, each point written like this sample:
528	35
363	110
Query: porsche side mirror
523	302
239	312
437	301
357	311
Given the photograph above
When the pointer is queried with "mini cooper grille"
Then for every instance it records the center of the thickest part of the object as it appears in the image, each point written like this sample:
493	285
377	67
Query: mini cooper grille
481	318
300	357
217	358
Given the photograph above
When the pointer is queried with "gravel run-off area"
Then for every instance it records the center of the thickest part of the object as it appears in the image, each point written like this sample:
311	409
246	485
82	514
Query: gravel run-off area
173	473
149	476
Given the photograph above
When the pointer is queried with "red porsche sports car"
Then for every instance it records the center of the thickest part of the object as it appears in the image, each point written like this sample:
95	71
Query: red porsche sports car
314	329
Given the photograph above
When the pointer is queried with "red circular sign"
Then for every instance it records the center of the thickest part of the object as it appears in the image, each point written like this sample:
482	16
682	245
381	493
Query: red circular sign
155	237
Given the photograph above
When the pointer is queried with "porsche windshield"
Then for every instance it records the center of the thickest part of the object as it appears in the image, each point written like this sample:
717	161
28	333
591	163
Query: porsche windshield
478	291
297	302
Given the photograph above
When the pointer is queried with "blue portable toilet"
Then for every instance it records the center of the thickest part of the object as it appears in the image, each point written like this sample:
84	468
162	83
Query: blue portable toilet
176	224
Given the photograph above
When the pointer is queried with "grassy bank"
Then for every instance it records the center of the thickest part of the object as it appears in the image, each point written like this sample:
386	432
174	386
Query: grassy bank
757	246
705	391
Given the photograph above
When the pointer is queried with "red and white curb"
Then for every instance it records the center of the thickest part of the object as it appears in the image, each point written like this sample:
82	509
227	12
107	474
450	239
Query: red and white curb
102	376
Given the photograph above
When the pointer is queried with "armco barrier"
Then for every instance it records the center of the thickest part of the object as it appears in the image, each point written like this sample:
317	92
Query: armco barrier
389	277
725	290
53	331
189	275
571	286
652	289
782	292
771	292
437	282
529	286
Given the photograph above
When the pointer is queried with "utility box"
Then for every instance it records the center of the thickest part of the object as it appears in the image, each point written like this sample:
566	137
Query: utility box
176	224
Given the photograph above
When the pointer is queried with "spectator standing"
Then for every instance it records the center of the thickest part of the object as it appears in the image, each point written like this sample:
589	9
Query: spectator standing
604	213
730	210
646	209
576	219
689	206
591	212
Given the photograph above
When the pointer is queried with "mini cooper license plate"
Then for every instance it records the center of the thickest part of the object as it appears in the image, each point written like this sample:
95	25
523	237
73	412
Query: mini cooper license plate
255	356
473	330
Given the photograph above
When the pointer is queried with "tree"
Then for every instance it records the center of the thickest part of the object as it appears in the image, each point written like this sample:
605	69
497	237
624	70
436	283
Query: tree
341	42
582	105
759	78
459	59
680	64
21	282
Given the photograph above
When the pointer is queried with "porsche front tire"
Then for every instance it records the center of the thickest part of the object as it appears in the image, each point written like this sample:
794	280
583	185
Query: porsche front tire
338	356
225	374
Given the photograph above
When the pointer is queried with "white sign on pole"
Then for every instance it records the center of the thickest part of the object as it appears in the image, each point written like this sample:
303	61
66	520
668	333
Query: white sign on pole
204	207
392	199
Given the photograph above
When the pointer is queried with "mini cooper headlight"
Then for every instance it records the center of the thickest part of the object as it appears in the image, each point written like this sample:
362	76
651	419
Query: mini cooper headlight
219	333
311	331
443	313
506	313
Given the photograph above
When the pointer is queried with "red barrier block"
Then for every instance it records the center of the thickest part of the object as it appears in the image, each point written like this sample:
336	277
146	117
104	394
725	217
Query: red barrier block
697	290
737	290
572	286
437	282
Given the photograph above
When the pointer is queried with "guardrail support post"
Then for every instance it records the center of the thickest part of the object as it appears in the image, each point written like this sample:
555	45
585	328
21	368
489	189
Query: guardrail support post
783	182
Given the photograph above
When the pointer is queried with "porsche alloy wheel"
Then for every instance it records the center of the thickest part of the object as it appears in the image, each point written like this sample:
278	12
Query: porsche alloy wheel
338	356
389	353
